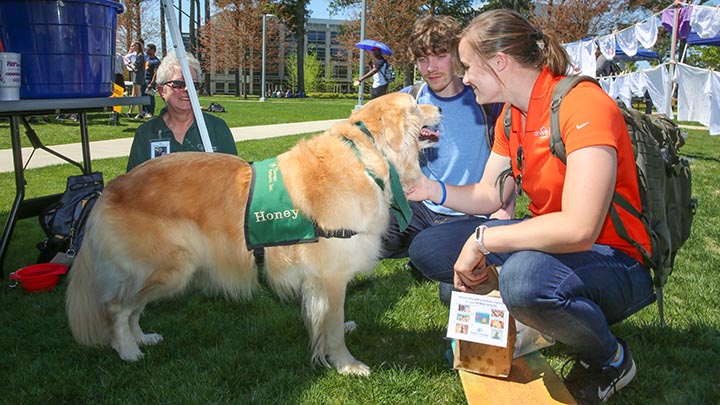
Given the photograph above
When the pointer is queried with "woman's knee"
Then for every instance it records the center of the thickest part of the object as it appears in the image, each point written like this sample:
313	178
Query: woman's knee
520	280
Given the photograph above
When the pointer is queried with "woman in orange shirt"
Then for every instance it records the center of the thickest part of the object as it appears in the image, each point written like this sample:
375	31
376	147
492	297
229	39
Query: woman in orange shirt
565	271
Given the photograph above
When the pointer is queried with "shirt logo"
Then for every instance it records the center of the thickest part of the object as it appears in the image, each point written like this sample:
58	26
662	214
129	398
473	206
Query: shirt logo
542	133
583	125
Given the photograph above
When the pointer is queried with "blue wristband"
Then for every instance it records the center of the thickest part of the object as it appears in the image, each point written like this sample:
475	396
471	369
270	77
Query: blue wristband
444	195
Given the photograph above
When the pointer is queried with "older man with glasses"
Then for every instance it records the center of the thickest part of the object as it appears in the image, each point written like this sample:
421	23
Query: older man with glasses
175	129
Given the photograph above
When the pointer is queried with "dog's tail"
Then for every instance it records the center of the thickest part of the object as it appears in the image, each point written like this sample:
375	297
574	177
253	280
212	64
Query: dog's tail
86	316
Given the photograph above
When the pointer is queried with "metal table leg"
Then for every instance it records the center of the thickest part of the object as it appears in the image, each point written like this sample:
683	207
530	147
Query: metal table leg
19	193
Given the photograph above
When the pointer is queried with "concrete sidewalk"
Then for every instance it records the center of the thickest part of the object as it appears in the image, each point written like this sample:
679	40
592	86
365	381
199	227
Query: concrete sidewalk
121	147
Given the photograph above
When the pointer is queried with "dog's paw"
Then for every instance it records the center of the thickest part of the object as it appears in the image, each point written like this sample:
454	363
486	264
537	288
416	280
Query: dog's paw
150	339
350	326
131	355
354	368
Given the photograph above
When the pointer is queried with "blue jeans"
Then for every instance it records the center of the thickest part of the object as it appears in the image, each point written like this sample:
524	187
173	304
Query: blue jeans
572	297
398	244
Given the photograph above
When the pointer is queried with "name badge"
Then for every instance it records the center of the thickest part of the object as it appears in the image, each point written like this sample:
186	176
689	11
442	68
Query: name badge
159	147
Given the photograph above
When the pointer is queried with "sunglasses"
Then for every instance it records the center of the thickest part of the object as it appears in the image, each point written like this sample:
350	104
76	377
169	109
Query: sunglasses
180	84
520	162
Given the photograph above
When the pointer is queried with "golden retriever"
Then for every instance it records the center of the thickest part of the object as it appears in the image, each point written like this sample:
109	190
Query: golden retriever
179	218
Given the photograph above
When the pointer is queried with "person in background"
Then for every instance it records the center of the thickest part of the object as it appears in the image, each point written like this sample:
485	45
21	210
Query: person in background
379	84
175	129
458	157
137	75
151	64
120	70
566	271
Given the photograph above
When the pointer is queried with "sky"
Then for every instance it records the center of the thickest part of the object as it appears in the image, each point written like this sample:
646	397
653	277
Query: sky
319	8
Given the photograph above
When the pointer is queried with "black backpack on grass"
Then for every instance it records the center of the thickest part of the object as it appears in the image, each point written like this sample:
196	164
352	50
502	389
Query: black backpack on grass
216	108
64	221
664	181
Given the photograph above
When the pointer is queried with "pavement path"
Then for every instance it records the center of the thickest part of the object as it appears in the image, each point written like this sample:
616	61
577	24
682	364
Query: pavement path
121	147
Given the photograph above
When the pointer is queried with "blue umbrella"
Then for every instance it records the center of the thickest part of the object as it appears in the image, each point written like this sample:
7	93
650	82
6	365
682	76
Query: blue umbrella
369	44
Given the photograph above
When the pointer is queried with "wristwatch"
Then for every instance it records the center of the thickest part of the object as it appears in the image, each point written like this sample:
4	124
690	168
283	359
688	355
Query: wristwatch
479	239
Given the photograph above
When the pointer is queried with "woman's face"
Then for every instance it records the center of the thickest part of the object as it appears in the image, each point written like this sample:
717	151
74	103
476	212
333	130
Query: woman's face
479	76
175	94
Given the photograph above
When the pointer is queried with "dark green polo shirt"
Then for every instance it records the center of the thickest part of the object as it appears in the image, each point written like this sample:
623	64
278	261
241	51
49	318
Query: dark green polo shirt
220	137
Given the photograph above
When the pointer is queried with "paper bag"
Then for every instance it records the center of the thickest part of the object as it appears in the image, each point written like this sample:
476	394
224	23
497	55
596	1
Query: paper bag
485	359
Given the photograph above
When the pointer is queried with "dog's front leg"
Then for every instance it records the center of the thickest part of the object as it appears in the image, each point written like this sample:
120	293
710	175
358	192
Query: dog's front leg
142	338
326	321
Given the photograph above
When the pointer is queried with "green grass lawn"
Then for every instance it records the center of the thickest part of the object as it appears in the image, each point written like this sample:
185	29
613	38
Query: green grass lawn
238	113
218	351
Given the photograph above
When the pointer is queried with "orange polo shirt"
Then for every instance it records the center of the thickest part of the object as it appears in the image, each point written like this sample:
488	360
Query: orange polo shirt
588	117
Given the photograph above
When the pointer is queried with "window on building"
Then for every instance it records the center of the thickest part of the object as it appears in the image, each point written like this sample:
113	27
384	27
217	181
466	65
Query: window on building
340	72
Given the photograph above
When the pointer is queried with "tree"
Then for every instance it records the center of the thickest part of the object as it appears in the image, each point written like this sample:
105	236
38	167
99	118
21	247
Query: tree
293	14
392	23
136	23
311	69
706	57
230	38
576	19
523	7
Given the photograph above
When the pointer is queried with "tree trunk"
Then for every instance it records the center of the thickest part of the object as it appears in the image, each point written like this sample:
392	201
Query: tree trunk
163	41
300	18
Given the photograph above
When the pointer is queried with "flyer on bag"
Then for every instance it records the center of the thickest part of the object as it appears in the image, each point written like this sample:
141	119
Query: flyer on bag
478	318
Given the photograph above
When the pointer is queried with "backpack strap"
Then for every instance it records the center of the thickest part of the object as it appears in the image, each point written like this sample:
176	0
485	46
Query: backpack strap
489	119
557	147
383	69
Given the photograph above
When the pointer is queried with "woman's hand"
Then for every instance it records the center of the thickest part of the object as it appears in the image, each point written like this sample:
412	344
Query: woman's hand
470	267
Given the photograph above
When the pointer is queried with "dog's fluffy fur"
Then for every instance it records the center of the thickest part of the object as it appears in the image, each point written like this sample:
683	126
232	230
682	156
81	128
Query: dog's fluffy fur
180	217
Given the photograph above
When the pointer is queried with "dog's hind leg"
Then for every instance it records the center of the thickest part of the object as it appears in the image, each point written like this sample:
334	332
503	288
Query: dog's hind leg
323	307
141	338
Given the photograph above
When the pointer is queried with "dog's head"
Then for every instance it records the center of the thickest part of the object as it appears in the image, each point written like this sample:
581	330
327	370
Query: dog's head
400	128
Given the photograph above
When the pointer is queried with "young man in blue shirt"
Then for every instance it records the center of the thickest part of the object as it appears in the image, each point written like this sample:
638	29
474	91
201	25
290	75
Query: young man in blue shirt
463	148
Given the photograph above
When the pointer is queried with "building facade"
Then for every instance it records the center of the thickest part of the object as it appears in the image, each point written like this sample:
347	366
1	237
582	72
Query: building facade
321	42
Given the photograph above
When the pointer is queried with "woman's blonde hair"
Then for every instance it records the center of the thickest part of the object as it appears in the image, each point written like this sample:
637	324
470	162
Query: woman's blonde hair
509	32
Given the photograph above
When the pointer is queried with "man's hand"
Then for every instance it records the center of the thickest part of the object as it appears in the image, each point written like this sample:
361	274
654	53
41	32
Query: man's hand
356	82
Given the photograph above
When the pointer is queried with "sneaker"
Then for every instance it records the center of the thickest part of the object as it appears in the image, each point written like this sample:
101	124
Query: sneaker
138	117
147	115
592	384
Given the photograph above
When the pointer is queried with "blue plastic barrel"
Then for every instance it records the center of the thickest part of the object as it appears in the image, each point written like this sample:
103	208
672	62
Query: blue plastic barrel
67	46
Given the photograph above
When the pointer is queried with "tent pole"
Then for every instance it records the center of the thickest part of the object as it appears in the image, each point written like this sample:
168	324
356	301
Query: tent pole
182	57
362	56
671	66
